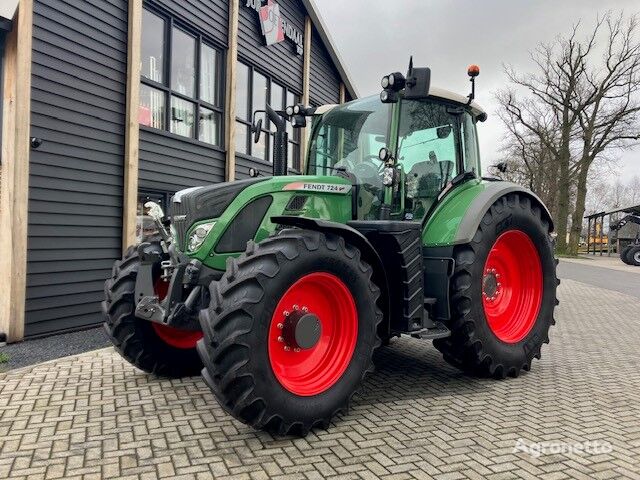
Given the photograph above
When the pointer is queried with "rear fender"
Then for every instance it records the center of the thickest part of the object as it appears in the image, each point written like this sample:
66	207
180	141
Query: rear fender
358	240
456	219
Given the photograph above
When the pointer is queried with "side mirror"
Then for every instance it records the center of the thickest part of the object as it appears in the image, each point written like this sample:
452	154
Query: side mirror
256	128
418	83
253	173
443	132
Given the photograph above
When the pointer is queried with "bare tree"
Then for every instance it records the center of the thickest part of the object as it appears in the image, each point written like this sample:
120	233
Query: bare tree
530	162
610	108
578	108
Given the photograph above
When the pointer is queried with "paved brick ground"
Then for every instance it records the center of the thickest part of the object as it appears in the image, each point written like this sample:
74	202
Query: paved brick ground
94	416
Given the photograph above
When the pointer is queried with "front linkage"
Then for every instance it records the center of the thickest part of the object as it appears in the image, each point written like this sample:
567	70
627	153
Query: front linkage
184	275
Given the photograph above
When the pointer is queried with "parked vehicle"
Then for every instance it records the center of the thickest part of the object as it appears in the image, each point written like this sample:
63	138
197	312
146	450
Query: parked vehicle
280	289
631	253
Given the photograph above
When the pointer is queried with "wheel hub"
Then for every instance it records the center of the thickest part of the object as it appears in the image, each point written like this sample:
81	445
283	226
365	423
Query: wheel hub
491	285
301	329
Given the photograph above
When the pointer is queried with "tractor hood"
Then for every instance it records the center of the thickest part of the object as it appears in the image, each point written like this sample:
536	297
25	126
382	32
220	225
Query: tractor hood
236	212
202	203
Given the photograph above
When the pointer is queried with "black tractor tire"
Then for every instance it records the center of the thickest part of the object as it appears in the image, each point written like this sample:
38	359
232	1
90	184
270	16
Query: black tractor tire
473	346
236	328
623	254
633	256
135	339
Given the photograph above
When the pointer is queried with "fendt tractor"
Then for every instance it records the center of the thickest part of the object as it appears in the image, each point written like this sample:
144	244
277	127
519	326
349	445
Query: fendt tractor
280	288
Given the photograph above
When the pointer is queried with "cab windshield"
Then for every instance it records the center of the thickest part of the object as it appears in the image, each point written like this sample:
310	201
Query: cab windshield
346	141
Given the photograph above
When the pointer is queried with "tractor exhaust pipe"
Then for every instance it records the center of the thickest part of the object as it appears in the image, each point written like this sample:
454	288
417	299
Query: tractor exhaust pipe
280	143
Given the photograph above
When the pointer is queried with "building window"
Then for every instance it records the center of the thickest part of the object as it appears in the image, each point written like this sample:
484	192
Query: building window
253	91
181	78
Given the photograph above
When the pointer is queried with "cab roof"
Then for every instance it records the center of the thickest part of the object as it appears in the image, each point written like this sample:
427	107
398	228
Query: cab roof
433	92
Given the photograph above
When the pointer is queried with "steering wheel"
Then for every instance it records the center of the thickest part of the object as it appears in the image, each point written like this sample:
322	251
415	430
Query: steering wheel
370	170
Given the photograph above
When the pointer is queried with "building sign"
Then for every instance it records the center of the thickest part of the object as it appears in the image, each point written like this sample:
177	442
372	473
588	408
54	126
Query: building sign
275	26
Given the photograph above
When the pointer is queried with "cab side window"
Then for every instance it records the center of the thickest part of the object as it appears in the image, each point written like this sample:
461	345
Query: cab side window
427	152
470	145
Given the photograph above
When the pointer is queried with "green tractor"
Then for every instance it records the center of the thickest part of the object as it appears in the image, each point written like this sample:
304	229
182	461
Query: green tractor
280	289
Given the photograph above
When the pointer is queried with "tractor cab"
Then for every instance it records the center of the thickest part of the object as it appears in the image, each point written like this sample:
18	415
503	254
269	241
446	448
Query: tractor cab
427	142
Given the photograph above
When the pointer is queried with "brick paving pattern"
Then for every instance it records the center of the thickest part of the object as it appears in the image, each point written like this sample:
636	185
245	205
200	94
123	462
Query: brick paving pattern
94	416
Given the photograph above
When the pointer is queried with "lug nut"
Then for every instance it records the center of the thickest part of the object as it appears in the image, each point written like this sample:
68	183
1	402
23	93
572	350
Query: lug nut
286	313
305	309
280	326
295	307
296	350
280	339
287	348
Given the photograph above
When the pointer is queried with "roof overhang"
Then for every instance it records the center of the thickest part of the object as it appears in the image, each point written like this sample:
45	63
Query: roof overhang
314	14
7	11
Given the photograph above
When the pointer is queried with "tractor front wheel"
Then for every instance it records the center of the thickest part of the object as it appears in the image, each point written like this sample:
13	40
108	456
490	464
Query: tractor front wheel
154	348
290	331
503	292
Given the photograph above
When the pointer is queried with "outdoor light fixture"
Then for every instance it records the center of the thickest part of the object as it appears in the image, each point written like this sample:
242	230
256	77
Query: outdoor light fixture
392	84
389	96
394	81
389	176
384	154
299	109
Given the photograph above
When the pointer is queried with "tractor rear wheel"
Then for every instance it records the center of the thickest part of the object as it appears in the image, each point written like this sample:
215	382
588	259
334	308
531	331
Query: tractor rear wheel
633	256
151	347
503	292
290	331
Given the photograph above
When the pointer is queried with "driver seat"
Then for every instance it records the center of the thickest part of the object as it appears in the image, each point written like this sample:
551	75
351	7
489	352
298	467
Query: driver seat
429	178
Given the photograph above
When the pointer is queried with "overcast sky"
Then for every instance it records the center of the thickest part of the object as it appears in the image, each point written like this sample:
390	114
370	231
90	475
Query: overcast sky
376	37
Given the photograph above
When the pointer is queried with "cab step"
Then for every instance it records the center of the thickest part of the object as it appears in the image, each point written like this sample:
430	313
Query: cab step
439	330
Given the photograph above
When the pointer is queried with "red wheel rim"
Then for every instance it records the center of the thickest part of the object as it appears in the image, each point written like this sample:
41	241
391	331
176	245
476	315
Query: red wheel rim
183	339
311	371
512	286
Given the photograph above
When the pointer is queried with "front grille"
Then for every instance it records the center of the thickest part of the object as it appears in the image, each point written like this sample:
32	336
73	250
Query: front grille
179	223
296	203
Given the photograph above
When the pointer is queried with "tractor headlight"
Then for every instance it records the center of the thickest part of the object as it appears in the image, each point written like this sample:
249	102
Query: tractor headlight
198	236
388	176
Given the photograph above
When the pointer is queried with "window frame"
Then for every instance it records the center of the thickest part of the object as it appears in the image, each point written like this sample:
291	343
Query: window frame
297	162
170	21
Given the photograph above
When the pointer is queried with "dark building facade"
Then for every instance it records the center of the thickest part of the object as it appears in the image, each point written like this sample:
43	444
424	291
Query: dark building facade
132	100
